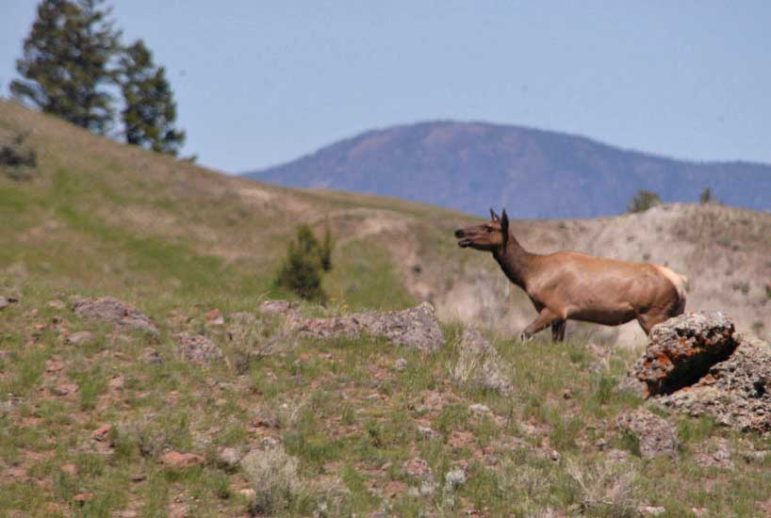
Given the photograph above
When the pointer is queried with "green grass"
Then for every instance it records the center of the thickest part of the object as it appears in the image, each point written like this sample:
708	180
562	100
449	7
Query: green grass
177	242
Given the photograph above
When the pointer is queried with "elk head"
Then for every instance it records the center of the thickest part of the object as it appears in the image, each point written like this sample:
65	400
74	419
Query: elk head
490	236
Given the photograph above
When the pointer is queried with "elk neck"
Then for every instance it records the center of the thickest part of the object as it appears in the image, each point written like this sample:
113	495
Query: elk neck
515	261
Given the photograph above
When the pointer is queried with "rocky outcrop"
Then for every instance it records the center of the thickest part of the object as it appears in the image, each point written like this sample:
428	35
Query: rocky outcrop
656	435
415	328
682	349
735	392
197	348
698	365
114	311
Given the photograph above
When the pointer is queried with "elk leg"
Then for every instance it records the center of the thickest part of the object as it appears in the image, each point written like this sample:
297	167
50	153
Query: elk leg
558	330
650	319
545	318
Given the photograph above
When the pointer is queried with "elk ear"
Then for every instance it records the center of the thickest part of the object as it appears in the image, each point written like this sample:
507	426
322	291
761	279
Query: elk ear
505	227
494	216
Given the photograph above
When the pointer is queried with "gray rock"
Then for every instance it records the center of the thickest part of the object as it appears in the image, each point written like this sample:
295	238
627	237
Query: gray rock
415	328
114	311
7	301
681	350
278	307
80	338
735	392
715	454
656	435
197	348
152	356
229	458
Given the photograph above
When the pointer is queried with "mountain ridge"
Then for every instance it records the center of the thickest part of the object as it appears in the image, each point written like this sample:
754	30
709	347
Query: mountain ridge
469	166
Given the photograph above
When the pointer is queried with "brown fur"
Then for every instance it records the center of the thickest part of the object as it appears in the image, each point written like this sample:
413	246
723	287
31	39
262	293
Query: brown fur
573	286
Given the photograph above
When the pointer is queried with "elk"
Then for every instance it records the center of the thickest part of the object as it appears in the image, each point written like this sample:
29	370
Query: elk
574	286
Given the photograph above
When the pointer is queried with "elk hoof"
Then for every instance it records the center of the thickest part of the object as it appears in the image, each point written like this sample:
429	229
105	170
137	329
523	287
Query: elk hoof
524	336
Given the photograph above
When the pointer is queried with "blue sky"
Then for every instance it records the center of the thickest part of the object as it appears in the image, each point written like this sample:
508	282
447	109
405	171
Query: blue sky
263	82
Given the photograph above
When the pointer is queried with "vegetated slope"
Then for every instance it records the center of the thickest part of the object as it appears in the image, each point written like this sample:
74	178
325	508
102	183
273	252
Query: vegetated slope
105	218
535	174
102	420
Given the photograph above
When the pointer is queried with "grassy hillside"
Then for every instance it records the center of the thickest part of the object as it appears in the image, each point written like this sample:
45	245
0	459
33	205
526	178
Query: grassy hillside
365	427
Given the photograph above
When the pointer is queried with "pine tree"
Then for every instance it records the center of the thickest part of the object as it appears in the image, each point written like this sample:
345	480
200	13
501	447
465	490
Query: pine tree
707	196
305	263
150	111
65	64
643	201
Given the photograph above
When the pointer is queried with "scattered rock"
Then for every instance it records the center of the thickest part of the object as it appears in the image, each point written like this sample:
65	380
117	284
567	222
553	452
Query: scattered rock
656	435
427	432
278	307
247	493
229	458
735	392
54	364
117	383
717	454
615	455
478	408
479	364
215	318
114	311
70	469
755	456
82	498
65	389
416	328
400	364
7	301
417	467
56	304
101	433
177	460
80	338
197	348
152	356
649	510
682	350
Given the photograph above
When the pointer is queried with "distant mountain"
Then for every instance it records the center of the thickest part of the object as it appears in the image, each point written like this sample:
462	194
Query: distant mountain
533	173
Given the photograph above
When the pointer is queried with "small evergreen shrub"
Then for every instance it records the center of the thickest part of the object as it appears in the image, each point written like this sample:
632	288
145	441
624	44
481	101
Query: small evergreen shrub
643	201
17	159
305	263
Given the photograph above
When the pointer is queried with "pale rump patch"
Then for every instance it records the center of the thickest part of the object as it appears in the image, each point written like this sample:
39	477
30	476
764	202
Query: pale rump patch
677	280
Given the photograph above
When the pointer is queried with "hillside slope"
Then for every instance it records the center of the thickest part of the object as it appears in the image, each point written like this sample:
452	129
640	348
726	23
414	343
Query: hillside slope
215	406
111	218
535	174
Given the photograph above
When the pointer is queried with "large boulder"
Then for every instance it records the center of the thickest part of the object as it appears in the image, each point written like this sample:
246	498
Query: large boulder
698	365
415	328
682	350
735	392
114	311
